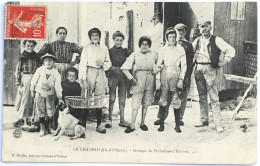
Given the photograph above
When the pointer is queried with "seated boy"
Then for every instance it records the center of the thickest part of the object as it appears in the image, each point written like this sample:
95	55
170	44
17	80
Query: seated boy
72	88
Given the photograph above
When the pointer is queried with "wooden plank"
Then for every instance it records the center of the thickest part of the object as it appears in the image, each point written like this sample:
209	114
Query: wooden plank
11	55
234	10
236	68
246	30
226	36
240	10
245	80
130	26
219	20
7	88
243	98
15	56
232	31
241	62
251	21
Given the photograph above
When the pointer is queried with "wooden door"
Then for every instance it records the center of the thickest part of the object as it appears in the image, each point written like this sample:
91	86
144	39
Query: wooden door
179	12
11	56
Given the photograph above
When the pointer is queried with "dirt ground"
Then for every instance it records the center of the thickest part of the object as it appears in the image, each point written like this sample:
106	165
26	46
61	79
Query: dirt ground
199	140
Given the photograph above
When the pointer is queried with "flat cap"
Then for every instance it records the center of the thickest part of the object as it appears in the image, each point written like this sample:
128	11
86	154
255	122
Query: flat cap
48	56
204	22
180	26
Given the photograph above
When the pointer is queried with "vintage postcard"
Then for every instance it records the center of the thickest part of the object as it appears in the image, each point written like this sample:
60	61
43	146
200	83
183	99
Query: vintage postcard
130	82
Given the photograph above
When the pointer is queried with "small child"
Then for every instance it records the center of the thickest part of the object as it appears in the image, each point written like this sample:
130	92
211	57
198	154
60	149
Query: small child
45	83
72	88
26	67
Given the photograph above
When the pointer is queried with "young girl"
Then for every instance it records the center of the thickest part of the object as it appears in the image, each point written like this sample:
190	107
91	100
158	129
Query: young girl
94	62
143	80
45	85
26	67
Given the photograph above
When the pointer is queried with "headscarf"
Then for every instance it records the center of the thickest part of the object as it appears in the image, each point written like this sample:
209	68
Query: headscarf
169	30
92	31
96	30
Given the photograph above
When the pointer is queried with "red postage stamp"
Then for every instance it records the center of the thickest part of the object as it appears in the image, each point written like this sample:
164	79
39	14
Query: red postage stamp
25	22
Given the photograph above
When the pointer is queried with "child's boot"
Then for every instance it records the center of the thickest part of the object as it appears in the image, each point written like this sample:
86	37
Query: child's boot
48	125
42	127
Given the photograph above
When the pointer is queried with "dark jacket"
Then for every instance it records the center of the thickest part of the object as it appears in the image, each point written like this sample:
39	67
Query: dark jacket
213	50
70	88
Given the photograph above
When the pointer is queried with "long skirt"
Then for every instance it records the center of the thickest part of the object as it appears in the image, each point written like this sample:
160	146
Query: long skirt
24	100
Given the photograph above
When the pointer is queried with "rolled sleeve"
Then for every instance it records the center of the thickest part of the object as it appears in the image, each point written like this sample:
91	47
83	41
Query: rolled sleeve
128	52
76	48
128	65
107	61
227	49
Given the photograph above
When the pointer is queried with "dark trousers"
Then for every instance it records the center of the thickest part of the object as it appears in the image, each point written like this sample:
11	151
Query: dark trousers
164	110
183	98
120	82
84	115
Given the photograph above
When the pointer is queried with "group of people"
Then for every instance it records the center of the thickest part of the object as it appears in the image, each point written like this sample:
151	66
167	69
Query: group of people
47	76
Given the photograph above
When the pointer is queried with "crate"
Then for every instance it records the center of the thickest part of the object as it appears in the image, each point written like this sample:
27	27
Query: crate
250	58
79	102
250	64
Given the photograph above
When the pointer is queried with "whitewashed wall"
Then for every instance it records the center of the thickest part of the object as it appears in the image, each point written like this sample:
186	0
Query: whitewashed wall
80	17
206	14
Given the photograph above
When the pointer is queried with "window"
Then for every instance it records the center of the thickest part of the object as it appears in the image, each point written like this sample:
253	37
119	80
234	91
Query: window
237	10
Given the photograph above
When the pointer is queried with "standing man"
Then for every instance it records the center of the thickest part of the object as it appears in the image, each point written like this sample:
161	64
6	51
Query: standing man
194	33
208	49
189	59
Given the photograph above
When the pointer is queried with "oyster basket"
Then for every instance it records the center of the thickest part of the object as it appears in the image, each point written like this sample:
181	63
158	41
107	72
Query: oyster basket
87	102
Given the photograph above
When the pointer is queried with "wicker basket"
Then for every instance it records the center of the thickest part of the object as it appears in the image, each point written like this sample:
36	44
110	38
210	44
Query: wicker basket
89	102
